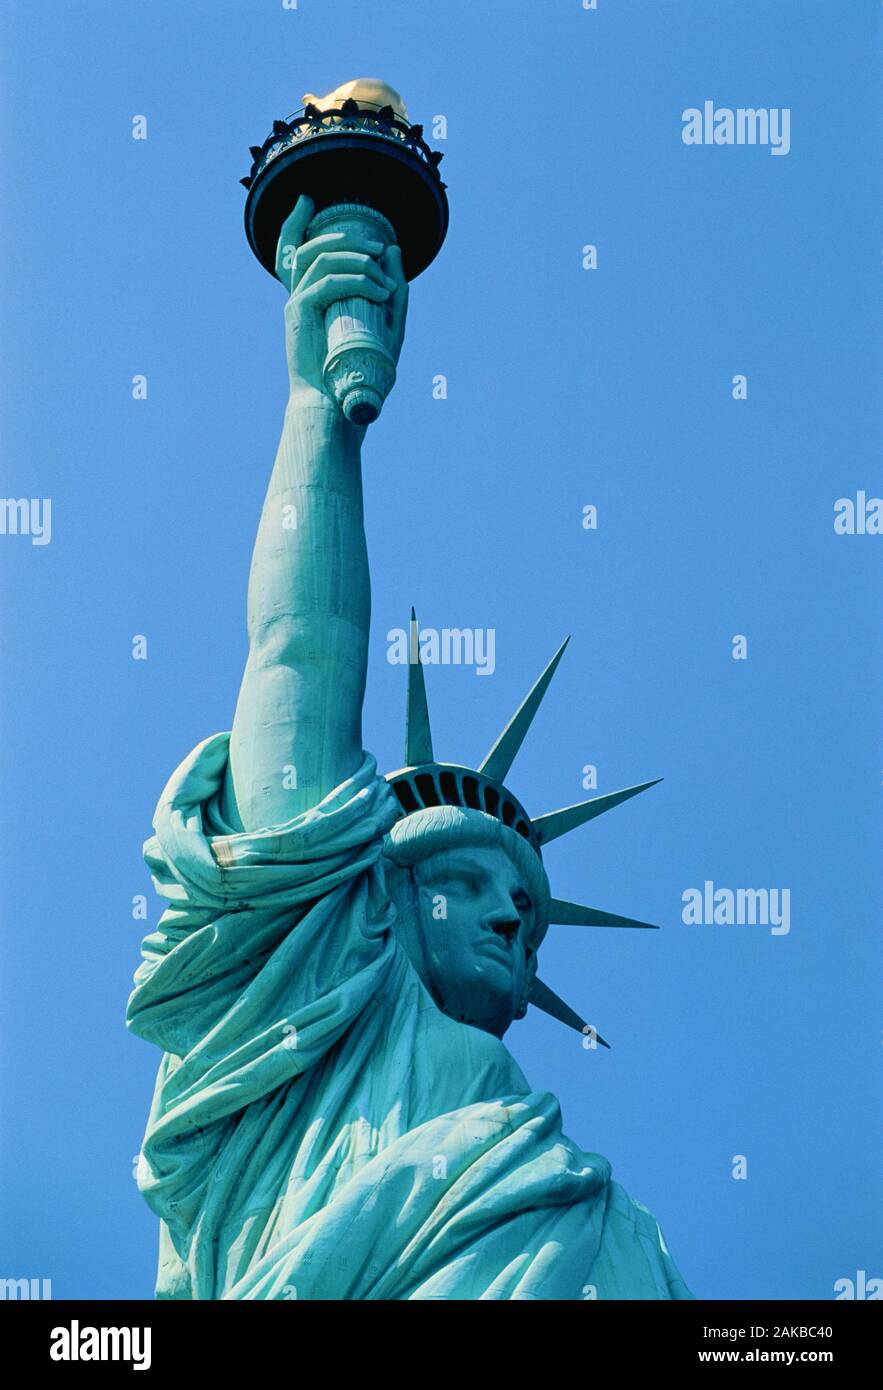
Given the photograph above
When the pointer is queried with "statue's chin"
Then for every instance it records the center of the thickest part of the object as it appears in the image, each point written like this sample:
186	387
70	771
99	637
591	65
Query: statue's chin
478	1008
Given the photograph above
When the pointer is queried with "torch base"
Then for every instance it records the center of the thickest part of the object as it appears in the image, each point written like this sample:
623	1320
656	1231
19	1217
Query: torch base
362	407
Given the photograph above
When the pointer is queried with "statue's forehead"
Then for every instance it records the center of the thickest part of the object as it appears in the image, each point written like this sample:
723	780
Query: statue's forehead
491	859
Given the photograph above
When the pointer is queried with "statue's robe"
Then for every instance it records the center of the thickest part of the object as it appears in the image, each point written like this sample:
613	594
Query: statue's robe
319	1128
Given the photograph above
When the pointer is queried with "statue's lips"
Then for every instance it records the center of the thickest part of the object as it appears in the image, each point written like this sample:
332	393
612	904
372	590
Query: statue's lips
495	951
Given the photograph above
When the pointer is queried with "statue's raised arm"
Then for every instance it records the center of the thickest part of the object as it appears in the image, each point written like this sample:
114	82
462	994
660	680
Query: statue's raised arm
297	732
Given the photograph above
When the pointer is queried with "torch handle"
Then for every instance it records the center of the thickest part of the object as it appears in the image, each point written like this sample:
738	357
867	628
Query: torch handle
359	369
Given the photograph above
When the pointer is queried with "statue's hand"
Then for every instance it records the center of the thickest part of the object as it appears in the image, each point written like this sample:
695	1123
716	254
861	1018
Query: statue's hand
318	272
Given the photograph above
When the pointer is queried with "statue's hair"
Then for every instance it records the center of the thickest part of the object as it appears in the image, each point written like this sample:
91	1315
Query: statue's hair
423	833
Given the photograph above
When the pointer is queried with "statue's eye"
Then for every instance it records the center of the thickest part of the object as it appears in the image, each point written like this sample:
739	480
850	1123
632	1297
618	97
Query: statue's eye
522	900
456	881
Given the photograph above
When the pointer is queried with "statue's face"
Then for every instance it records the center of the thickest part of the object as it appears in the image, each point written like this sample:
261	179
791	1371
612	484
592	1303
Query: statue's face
476	923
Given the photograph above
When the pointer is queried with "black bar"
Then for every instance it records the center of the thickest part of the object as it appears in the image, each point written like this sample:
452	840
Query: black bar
258	1339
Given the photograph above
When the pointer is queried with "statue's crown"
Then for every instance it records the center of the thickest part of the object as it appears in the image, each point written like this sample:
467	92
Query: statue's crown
424	783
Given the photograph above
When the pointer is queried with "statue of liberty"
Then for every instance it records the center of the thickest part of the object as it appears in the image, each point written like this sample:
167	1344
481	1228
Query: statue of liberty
336	1114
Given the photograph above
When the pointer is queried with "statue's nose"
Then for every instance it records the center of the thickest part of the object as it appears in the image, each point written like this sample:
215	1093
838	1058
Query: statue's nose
505	927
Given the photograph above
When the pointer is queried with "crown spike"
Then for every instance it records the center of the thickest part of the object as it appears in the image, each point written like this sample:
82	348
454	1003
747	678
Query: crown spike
502	755
576	915
542	997
555	823
418	735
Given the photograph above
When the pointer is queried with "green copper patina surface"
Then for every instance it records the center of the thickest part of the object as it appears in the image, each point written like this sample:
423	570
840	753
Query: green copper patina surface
336	1115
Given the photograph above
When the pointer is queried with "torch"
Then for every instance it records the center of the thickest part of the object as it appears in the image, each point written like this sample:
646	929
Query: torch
366	168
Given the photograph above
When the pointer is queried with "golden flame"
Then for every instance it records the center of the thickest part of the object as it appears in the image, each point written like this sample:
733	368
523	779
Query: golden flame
369	92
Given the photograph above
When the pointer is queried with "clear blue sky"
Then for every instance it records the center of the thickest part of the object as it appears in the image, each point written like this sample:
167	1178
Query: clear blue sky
566	388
